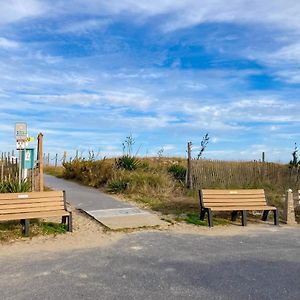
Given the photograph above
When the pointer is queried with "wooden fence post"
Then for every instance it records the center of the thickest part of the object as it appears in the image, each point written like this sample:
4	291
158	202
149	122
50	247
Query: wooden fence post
56	159
189	166
65	157
40	163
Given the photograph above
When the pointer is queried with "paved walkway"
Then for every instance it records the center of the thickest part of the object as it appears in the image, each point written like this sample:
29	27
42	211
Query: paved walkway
107	210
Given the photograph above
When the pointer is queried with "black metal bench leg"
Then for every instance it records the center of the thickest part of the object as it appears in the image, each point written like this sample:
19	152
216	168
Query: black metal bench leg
26	227
265	215
70	223
210	218
234	216
244	217
276	219
202	214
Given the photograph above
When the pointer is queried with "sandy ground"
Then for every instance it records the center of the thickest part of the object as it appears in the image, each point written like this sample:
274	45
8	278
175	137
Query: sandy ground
88	233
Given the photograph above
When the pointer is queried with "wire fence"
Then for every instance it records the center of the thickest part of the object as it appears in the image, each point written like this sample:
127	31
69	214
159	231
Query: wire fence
9	169
58	159
230	174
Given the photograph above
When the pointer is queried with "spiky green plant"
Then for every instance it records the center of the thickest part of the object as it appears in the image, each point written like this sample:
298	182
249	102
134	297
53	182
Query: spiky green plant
127	162
13	186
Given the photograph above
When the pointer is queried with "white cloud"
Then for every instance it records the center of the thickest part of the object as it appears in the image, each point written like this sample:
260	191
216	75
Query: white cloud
8	44
290	53
290	76
134	100
16	10
180	14
83	27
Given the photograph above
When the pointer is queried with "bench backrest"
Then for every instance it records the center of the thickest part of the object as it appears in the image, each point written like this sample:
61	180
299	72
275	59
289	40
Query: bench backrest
34	202
223	198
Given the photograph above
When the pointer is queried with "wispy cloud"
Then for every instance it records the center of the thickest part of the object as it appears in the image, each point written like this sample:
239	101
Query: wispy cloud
8	44
17	10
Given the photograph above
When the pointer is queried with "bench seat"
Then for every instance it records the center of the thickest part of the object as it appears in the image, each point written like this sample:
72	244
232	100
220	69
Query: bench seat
234	201
34	205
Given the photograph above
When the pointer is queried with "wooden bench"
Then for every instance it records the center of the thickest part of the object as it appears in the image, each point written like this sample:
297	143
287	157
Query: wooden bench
34	205
234	201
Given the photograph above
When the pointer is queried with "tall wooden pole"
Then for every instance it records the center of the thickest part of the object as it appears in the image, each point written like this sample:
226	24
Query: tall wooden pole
263	157
189	167
40	162
65	157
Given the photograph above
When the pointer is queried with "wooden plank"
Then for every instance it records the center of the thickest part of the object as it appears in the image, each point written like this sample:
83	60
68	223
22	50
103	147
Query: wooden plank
236	196
31	209
31	195
232	192
27	205
38	200
205	200
236	204
233	203
234	208
37	215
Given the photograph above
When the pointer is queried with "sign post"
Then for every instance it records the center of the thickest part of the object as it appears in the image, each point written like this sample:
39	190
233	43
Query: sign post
21	137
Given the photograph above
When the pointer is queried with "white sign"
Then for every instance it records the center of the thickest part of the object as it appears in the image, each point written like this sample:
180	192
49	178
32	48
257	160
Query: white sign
21	144
21	131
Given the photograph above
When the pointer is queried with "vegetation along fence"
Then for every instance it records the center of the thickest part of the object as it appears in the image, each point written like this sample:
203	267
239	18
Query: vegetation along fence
8	167
234	174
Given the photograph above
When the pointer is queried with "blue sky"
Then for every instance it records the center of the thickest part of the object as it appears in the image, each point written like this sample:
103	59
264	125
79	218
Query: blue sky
89	73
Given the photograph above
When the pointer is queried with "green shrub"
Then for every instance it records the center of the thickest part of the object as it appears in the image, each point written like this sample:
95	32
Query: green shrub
117	186
141	182
178	172
127	162
89	172
53	228
13	186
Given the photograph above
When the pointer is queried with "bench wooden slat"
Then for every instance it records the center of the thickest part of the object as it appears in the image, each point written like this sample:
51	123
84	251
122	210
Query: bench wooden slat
31	195
233	192
240	208
245	200
208	205
27	205
10	217
27	201
235	196
31	209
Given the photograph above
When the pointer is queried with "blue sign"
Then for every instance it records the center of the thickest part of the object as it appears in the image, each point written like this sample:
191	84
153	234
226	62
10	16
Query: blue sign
28	159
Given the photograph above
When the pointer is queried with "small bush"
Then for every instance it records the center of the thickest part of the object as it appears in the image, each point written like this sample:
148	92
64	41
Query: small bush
89	172
127	162
117	186
141	182
13	186
53	228
178	172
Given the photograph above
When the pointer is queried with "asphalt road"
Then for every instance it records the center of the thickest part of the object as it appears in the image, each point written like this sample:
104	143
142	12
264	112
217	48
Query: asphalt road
161	265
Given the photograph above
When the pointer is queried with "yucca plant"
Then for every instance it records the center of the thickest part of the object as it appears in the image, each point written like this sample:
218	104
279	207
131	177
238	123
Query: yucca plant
13	186
178	172
127	162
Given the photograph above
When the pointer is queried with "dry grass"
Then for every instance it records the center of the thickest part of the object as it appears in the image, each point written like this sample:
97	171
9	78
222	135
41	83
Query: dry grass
13	230
274	178
152	186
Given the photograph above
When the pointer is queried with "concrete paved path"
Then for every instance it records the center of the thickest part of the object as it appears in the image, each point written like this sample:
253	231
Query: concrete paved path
84	197
107	210
264	264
